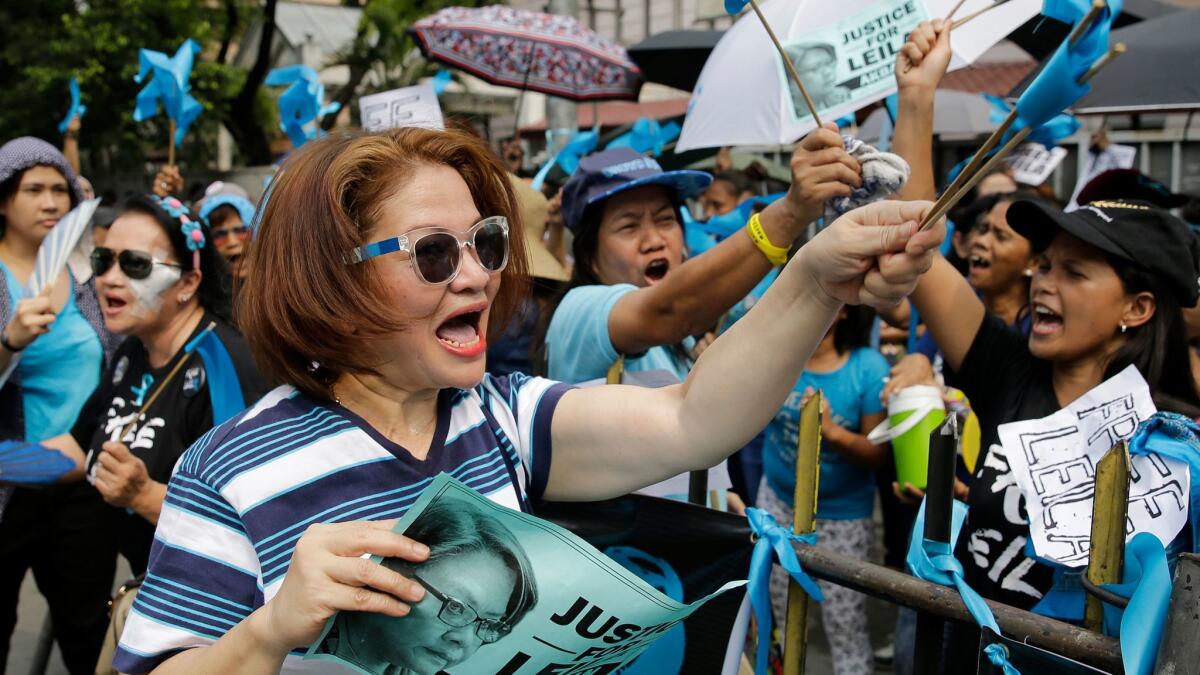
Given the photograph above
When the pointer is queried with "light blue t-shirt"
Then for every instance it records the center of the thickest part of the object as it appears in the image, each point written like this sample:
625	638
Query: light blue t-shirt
580	349
59	371
846	490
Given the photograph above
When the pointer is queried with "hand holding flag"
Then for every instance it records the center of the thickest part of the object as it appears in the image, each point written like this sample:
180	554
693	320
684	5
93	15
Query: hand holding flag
121	477
1059	84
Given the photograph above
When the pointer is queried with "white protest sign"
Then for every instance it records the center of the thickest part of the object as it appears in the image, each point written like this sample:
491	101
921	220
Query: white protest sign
415	106
1054	462
1032	163
1113	157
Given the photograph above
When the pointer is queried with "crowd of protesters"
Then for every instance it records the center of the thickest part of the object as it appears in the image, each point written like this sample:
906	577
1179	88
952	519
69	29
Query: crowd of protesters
404	300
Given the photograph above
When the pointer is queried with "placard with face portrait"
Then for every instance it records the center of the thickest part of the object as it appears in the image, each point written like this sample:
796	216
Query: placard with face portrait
851	62
505	592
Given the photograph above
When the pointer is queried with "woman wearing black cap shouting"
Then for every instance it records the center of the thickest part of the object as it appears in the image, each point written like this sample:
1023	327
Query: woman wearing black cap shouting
632	293
1107	292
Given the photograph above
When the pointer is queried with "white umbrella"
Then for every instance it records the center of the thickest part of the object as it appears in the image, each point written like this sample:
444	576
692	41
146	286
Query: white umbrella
845	52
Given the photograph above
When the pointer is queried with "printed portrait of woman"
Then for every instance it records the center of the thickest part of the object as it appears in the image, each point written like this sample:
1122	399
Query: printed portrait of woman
478	585
816	63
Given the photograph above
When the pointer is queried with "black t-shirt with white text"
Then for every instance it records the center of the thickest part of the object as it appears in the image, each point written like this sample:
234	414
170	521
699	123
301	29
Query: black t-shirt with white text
177	418
1005	383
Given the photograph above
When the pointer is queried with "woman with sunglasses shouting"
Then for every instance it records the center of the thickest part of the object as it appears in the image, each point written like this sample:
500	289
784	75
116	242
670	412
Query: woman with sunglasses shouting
162	284
379	266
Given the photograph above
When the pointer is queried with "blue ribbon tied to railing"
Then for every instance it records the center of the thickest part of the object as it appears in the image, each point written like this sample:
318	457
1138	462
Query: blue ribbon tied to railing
934	562
773	545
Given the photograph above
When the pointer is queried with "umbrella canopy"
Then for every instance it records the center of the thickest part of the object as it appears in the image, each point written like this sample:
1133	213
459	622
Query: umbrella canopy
548	53
1156	74
1040	36
959	114
845	51
675	58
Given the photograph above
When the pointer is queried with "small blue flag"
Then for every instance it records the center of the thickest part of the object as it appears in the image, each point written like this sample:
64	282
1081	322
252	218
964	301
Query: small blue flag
733	7
224	387
302	104
1057	87
1047	134
77	108
169	86
647	135
440	80
580	145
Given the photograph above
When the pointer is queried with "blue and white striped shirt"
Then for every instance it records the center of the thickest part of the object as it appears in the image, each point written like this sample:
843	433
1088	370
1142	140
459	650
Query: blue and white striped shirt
244	493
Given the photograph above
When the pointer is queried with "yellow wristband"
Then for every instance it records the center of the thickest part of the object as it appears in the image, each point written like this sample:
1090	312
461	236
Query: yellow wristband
776	255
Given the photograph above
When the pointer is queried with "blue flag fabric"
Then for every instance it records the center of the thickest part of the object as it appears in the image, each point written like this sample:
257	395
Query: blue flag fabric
774	544
1177	437
302	104
1047	134
1057	87
224	387
580	145
168	86
77	108
647	135
1066	11
1146	582
733	7
440	80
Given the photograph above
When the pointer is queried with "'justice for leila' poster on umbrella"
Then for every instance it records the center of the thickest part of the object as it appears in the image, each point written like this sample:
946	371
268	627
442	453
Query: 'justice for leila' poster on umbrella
851	60
505	593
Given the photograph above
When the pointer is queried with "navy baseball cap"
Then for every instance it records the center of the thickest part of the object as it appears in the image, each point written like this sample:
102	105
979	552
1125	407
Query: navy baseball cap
1135	231
604	174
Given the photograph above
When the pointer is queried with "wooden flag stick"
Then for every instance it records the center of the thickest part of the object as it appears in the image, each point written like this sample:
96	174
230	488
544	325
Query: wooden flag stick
1110	505
963	190
171	142
787	64
808	471
954	10
952	194
978	12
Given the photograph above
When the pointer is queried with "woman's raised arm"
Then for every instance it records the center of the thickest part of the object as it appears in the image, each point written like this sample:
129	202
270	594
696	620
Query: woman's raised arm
614	439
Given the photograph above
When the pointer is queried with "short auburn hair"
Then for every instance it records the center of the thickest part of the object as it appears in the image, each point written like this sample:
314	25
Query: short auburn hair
304	312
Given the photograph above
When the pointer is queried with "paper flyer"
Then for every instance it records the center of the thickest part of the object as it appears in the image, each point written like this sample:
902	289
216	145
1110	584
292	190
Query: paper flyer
505	593
1054	462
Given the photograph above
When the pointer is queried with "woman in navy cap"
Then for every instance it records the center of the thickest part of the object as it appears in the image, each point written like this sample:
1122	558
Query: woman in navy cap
632	293
1107	293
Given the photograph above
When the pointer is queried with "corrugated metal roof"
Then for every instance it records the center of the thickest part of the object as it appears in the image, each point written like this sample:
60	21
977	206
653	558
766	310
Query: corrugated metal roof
991	78
330	28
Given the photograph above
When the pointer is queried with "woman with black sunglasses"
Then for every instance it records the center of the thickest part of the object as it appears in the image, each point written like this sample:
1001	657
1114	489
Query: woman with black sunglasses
379	265
162	283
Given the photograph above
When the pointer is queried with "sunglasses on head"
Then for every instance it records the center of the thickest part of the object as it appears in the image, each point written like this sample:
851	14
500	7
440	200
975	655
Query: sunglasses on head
436	254
134	264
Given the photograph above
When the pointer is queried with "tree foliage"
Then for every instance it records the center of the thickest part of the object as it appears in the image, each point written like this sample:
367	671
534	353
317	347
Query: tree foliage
383	55
43	44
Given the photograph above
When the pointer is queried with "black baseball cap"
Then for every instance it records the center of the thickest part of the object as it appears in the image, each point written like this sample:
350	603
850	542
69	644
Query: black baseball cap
1137	231
1130	184
604	174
